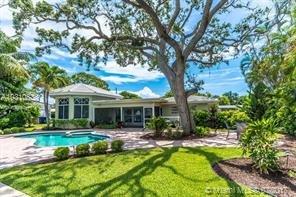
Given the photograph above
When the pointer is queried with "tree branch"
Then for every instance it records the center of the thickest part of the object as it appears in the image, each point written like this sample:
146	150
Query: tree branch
206	18
175	15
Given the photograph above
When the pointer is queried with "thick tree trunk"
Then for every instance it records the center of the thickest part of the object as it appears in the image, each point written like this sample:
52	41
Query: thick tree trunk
183	107
45	99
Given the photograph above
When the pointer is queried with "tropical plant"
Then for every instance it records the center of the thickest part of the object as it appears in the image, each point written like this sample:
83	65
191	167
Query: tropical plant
11	61
47	78
158	125
15	99
258	141
89	79
157	33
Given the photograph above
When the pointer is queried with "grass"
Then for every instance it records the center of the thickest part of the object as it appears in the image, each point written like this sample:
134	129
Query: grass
35	127
153	172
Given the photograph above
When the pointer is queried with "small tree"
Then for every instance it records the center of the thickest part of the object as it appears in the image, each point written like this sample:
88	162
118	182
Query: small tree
169	36
47	78
258	140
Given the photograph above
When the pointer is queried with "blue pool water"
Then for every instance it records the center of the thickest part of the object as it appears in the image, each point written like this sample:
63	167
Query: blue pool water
63	139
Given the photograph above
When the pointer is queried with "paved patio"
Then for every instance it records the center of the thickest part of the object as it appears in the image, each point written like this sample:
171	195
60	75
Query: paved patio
17	151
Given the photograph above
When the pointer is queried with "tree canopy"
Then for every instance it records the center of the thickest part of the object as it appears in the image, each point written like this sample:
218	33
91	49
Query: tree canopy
89	79
129	95
16	106
169	36
270	72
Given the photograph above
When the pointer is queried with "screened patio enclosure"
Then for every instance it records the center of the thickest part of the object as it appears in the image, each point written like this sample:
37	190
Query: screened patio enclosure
130	116
107	115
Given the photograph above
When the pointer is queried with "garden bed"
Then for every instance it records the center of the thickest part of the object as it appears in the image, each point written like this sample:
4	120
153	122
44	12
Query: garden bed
151	136
276	184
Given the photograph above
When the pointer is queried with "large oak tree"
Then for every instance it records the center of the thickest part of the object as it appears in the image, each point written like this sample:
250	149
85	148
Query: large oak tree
168	35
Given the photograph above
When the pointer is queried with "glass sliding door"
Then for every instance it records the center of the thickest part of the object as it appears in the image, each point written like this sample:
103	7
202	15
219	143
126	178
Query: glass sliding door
148	114
133	116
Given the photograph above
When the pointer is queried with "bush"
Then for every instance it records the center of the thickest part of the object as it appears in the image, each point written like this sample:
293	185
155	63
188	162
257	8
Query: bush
202	131
82	150
4	122
157	124
100	147
13	130
231	117
174	134
258	141
201	117
79	122
62	153
117	145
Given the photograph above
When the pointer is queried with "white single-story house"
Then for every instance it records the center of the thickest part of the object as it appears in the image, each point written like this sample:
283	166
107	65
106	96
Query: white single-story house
102	106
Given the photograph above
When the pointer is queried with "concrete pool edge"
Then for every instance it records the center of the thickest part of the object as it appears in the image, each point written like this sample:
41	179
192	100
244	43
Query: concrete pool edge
101	136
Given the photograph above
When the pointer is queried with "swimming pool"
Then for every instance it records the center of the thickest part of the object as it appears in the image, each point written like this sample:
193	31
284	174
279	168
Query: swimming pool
64	139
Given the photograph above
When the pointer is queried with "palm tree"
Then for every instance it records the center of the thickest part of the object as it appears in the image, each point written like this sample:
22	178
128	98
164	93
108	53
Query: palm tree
47	78
11	61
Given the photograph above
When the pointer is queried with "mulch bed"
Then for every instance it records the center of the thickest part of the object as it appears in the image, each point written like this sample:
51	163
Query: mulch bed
279	183
151	136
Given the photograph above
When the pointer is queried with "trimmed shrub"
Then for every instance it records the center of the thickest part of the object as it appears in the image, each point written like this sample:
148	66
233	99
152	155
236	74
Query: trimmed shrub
117	145
82	150
13	130
100	147
202	131
258	141
158	125
62	153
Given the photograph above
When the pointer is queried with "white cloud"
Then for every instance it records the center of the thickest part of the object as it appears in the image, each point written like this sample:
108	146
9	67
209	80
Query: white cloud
132	73
146	92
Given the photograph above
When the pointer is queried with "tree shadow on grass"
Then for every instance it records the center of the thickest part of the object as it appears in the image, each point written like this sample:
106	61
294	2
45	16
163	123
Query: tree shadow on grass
233	188
62	174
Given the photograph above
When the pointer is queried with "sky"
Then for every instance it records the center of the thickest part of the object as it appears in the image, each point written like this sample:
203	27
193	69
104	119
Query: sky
137	79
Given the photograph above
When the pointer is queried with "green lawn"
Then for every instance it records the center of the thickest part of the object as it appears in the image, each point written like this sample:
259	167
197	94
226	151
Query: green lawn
154	172
35	127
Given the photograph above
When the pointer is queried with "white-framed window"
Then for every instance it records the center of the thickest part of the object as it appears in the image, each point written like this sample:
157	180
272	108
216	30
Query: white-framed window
174	110
63	107
81	107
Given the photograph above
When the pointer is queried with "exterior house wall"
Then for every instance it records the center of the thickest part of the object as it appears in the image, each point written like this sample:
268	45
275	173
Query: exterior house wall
170	110
71	105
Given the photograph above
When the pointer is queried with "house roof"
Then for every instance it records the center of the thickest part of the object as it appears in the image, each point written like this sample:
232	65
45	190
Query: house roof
170	100
192	99
83	89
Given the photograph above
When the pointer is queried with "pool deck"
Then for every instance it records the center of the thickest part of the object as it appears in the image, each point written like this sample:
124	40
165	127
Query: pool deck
17	151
